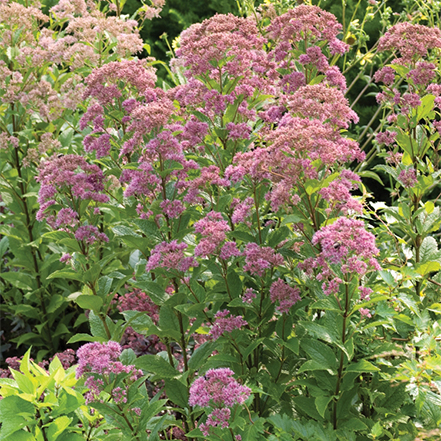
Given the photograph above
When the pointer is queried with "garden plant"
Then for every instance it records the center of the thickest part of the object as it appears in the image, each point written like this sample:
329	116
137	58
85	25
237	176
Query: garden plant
216	247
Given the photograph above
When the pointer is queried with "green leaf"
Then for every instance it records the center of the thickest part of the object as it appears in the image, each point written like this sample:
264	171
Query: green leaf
57	427
292	219
320	353
426	107
4	245
97	327
91	302
426	268
371	175
169	323
201	354
362	366
122	230
18	279
321	403
405	142
66	274
24	383
85	337
155	364
154	290
177	392
21	435
15	413
234	283
312	365
293	345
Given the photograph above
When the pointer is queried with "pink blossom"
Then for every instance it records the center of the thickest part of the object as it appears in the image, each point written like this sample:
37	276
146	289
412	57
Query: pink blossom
65	258
386	137
133	72
305	22
66	217
217	388
212	229
408	178
385	75
229	250
322	102
224	322
423	74
170	256
242	210
348	245
337	193
316	58
238	131
394	158
334	77
249	295
365	293
285	294
90	234
411	40
258	259
365	312
218	418
237	40
138	301
172	209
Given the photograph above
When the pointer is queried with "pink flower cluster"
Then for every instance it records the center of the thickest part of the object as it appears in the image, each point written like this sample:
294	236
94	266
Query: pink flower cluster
345	243
408	177
213	230
258	259
101	358
170	256
412	41
226	322
74	177
219	390
285	295
337	193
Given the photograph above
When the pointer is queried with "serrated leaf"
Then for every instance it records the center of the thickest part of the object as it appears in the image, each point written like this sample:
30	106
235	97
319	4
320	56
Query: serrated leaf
92	302
362	366
57	427
155	364
15	413
177	392
321	404
320	353
200	355
66	274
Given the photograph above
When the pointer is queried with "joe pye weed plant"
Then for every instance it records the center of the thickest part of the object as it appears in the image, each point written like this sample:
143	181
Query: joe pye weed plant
238	281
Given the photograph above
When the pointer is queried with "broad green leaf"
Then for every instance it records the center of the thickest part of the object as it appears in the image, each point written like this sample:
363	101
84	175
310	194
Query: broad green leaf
89	302
18	279
57	427
361	366
321	403
426	268
201	354
22	435
15	413
320	353
155	364
177	392
85	337
66	274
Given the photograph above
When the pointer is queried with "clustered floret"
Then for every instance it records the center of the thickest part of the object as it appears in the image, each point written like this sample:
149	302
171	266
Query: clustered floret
218	390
